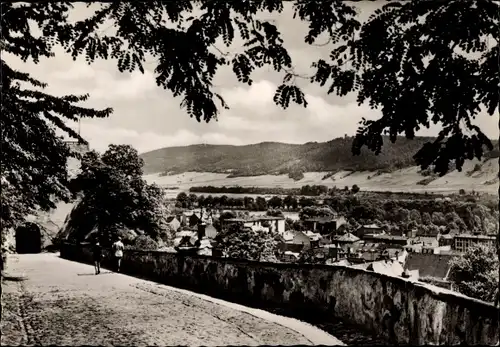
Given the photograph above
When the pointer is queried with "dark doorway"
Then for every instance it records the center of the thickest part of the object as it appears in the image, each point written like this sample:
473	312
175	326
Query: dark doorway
28	239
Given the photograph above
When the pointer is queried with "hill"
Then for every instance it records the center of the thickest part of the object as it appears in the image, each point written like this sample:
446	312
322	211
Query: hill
280	158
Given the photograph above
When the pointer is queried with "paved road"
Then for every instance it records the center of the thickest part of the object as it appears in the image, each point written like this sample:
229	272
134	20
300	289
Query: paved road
63	303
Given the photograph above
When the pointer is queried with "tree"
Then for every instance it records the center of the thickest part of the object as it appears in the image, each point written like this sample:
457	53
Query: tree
261	203
114	194
223	201
306	202
275	202
248	202
447	74
145	243
416	216
192	199
274	213
245	243
311	212
287	201
355	189
475	274
182	200
201	201
209	201
426	218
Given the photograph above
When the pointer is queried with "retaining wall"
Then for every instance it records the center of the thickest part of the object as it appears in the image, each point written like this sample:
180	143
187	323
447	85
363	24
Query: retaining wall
402	311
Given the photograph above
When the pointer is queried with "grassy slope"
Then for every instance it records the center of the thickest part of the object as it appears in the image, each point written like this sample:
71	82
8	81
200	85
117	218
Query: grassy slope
273	158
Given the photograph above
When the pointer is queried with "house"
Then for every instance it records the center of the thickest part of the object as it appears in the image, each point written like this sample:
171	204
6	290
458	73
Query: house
300	238
290	257
464	241
433	266
437	250
386	267
370	251
428	233
275	224
414	248
346	239
287	236
189	218
272	224
210	231
393	252
411	234
324	225
372	229
386	239
336	252
173	222
290	247
426	241
446	240
226	223
194	219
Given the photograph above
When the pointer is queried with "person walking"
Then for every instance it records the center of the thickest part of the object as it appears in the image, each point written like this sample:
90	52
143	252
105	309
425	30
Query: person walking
118	252
97	253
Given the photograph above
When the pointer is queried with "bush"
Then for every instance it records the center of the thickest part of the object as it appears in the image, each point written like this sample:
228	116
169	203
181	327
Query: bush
145	243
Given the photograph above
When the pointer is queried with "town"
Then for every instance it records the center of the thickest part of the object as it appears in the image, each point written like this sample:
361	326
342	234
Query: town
418	246
265	172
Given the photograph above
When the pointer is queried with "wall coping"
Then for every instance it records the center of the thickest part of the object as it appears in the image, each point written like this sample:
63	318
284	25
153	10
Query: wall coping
441	294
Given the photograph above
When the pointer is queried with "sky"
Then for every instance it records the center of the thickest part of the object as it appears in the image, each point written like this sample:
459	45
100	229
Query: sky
148	117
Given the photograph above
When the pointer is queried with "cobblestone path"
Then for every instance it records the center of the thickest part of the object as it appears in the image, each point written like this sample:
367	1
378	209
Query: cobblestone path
47	300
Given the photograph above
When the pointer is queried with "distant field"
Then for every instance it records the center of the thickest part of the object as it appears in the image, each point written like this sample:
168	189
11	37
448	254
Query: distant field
404	180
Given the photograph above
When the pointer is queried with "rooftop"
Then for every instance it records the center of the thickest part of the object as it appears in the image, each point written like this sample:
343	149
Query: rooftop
387	237
475	237
371	226
346	238
322	220
429	265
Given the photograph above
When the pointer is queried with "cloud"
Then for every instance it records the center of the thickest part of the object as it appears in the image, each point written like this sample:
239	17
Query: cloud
101	84
148	117
100	137
258	96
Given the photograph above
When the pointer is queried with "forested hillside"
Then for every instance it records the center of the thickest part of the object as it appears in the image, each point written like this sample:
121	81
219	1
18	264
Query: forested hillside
280	158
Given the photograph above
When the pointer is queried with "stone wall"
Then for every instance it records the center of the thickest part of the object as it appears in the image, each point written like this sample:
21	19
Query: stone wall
400	310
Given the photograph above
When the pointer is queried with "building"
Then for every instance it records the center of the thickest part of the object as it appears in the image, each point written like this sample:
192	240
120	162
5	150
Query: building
272	224
226	223
372	229
173	222
73	164
291	247
275	224
324	225
348	242
210	231
446	240
300	238
290	257
386	267
430	266
386	239
463	242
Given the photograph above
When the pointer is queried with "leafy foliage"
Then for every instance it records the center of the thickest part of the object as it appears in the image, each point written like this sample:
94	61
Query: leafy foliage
476	273
114	194
245	243
144	243
33	158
